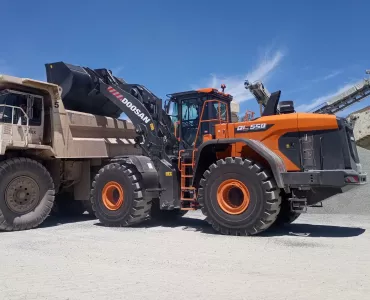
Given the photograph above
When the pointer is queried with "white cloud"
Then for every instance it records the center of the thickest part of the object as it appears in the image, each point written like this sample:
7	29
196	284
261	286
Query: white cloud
320	100
332	74
309	83
235	84
328	76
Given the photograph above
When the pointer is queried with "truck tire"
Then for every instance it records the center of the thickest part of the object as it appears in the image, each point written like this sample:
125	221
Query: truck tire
238	197
285	216
117	197
164	215
26	194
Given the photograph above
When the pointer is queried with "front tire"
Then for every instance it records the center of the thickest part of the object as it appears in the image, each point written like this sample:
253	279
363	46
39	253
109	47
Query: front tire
117	196
238	197
285	216
26	194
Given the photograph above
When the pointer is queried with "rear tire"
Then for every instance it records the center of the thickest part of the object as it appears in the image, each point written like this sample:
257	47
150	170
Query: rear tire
253	188
117	196
285	216
26	194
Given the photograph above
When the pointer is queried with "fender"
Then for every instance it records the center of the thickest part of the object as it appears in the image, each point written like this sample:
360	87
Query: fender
275	162
145	166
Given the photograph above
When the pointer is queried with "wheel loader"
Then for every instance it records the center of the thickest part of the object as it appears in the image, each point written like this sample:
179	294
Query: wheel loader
244	176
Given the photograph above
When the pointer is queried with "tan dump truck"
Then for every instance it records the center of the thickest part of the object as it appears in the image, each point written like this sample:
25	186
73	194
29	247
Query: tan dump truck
48	151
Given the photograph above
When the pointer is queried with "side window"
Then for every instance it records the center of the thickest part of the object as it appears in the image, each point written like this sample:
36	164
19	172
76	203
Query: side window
21	102
221	109
35	111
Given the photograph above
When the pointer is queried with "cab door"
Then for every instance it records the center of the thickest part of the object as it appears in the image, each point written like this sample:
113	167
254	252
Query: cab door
35	113
27	118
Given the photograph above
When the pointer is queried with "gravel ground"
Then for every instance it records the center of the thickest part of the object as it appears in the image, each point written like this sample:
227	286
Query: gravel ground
319	257
322	255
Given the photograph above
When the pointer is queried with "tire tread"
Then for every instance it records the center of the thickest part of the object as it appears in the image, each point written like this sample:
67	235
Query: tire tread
139	211
271	197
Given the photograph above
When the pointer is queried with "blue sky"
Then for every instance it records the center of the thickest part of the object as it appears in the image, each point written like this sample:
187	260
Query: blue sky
308	49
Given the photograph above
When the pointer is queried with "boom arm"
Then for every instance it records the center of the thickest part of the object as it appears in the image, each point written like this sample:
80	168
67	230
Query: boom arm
145	111
99	92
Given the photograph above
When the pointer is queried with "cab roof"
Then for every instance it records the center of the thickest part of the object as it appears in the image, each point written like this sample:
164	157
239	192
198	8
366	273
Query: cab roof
205	91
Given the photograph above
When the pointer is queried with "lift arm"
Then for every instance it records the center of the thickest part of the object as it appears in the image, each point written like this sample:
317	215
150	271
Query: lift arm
144	109
99	92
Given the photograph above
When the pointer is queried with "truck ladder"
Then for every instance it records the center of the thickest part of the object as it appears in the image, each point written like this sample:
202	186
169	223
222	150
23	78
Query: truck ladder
186	168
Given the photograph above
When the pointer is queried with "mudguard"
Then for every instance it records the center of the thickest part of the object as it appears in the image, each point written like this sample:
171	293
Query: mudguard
144	166
275	162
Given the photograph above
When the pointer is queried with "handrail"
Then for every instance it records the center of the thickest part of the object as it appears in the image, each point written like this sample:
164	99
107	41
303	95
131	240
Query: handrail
24	114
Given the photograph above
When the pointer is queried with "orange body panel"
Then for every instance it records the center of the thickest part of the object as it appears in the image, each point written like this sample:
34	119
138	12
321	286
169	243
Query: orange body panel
281	124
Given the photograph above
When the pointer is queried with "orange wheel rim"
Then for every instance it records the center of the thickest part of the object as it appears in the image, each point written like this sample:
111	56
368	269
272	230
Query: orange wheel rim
112	195
233	196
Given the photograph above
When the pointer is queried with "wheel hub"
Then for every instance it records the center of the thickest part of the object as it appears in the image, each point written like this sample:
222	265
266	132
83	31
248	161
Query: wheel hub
22	194
113	195
233	196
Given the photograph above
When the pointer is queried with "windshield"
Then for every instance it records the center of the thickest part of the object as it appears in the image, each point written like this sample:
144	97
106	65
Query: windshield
7	112
31	105
190	120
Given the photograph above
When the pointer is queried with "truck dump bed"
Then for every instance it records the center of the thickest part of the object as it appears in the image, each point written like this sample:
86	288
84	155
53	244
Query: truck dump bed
99	136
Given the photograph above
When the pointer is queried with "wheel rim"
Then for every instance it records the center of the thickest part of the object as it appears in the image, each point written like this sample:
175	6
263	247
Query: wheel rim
22	195
233	196
112	195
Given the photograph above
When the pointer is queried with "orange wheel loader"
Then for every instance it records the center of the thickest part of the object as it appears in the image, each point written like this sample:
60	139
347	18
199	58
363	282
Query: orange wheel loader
244	176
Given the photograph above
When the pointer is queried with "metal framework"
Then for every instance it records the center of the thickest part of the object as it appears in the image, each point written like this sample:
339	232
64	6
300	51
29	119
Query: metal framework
340	102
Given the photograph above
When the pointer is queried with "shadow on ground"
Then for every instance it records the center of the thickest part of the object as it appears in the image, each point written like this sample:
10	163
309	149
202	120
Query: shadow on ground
298	229
52	221
314	230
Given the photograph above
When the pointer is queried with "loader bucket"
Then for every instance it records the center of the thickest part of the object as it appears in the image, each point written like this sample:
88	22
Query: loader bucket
78	90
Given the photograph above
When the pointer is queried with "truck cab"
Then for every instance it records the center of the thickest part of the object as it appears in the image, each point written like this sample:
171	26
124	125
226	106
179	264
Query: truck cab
21	118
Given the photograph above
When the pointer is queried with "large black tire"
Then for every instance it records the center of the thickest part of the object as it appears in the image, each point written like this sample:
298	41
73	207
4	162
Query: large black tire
164	215
258	210
125	181
26	194
285	216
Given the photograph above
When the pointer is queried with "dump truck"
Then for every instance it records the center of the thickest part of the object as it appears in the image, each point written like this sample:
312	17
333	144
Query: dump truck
49	151
244	176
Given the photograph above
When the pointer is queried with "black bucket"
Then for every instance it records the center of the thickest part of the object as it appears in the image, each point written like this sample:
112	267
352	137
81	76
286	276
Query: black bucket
78	90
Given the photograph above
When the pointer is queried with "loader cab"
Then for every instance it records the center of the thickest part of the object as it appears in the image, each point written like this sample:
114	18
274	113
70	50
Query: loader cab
195	113
21	116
